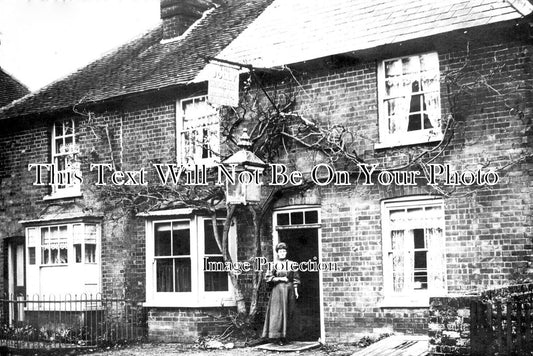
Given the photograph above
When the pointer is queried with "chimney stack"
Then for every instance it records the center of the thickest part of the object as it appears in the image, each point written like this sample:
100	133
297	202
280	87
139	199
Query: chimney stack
179	15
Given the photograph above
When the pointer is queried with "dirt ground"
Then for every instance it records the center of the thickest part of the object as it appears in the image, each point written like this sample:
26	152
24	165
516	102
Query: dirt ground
185	349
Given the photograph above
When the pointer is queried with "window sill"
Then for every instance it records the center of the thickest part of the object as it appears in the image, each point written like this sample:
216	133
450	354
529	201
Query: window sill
55	265
411	301
176	303
63	195
408	141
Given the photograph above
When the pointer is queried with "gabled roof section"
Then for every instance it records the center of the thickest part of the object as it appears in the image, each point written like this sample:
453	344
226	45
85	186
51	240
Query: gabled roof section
10	88
145	63
300	30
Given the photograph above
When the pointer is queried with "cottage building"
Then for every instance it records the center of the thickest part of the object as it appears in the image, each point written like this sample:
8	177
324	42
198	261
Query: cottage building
378	90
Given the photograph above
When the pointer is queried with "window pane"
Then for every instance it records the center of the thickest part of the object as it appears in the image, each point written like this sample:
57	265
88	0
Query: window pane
391	106
215	281
393	68
68	144
45	236
59	128
77	252
429	62
420	270
59	145
297	218
54	255
415	102
211	246
162	239
181	240
421	259
68	127
63	234
283	219
397	240
398	273
411	65
164	275
90	253
45	258
311	217
31	253
90	233
182	274
63	255
418	235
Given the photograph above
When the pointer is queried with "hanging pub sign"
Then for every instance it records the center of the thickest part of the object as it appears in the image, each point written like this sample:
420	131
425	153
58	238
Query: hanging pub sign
223	87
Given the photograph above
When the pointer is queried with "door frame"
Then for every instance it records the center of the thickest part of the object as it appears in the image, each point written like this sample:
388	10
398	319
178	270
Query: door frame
11	248
318	226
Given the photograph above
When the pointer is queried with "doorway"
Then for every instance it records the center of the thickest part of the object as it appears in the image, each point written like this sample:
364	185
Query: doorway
16	276
300	230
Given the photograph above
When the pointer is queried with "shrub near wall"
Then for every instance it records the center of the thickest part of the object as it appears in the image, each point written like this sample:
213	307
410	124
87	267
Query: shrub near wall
449	325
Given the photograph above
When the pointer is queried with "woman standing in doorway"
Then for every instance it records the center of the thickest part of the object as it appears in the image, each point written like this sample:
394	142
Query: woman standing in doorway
282	301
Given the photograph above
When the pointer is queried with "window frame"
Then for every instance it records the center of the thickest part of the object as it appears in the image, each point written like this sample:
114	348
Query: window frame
180	142
72	190
197	297
36	269
386	139
413	297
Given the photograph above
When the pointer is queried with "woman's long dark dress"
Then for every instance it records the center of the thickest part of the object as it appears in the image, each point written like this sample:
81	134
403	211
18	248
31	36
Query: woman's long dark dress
282	301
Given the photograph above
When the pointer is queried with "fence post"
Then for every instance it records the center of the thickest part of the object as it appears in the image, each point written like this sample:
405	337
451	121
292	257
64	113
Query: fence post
509	327
527	329
499	322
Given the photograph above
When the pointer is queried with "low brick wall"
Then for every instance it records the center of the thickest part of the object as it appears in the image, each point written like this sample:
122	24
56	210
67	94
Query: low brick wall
185	324
449	325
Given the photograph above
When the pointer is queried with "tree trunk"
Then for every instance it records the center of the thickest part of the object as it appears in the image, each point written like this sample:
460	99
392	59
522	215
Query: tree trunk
224	247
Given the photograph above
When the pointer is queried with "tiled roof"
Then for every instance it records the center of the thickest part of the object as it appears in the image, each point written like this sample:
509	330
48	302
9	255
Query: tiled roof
287	31
145	63
10	88
299	30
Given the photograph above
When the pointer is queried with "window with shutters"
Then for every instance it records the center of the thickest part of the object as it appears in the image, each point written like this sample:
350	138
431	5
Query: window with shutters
413	250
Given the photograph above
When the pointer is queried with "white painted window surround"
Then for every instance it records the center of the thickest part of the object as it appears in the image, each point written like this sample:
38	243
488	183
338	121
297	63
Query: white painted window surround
414	264
64	158
198	132
409	100
175	273
63	259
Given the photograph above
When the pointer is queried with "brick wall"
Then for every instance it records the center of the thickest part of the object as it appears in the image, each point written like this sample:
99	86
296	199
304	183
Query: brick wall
488	233
185	324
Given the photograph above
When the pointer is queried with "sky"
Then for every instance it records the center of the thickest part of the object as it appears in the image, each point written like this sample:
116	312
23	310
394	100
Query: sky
42	41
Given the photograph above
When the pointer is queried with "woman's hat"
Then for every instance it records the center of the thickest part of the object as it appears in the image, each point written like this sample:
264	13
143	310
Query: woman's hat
281	246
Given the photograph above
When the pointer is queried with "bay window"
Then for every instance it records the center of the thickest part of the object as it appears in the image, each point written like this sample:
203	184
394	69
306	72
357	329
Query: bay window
63	258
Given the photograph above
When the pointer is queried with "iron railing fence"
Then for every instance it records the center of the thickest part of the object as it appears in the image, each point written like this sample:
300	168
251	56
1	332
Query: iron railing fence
69	321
